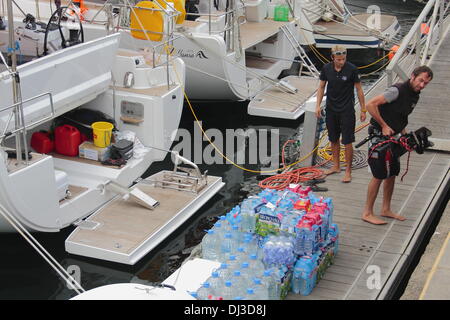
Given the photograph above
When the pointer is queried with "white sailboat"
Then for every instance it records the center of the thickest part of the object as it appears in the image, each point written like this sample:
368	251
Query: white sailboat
333	23
236	50
223	59
119	216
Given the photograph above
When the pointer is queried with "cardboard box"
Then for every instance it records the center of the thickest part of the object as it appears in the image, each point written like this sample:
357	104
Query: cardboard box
88	150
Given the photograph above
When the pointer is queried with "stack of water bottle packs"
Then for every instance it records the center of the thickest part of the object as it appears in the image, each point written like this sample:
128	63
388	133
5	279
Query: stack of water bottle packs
273	243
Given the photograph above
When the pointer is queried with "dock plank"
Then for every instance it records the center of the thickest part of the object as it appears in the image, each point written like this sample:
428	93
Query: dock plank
363	245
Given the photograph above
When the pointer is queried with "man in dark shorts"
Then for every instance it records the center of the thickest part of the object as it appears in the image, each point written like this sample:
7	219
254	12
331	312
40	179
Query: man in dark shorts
342	77
389	113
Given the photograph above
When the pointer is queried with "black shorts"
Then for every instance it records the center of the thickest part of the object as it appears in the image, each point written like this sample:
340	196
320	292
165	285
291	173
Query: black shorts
383	162
341	122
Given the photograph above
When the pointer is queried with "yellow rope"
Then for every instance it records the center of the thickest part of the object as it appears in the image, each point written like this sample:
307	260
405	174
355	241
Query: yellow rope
224	156
326	152
323	152
318	54
323	58
369	65
383	66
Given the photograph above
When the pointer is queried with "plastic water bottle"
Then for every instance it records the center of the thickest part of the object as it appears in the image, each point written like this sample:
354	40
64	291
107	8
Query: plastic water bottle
251	246
315	264
270	285
233	262
233	215
278	251
216	283
285	224
228	292
210	246
225	273
286	204
236	233
268	221
305	240
322	210
248	223
277	275
240	284
303	280
247	273
334	237
228	245
256	266
267	194
205	292
250	294
226	226
261	292
296	279
329	203
291	196
241	255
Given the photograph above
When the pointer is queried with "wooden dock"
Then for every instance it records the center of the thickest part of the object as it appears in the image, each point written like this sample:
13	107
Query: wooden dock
365	249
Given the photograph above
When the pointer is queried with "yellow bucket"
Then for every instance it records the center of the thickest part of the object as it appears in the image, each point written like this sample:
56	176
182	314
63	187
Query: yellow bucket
102	133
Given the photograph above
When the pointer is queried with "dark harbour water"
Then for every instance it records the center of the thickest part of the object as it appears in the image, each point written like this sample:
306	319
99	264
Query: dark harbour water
25	275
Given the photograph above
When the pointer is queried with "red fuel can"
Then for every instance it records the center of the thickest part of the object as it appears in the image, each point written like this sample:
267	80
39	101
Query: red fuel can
41	142
67	140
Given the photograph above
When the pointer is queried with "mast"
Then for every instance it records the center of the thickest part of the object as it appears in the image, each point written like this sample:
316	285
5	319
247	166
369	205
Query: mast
18	111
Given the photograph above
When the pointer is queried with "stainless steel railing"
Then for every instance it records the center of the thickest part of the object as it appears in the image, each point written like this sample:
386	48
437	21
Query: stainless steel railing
20	127
422	43
18	108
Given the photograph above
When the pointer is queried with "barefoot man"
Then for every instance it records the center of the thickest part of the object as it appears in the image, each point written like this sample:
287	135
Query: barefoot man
389	113
340	77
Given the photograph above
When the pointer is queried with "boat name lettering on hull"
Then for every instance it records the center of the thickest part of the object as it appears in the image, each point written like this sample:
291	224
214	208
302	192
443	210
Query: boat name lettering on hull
191	54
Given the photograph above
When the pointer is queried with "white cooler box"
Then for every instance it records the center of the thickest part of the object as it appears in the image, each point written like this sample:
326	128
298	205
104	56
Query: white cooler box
62	184
255	10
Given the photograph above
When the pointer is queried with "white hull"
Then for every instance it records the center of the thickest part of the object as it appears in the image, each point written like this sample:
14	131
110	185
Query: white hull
30	192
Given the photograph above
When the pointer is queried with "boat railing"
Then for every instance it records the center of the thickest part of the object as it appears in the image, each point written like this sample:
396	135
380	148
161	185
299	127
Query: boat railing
158	48
231	29
20	126
421	39
18	109
214	16
119	15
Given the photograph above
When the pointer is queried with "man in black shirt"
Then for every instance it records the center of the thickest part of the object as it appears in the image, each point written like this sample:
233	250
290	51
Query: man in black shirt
390	112
342	77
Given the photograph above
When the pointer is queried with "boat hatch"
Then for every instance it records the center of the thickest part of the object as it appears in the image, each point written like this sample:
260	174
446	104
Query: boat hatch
284	100
126	230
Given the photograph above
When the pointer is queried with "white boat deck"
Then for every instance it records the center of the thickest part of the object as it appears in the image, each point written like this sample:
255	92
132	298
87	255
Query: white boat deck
127	231
253	33
273	102
14	165
341	29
